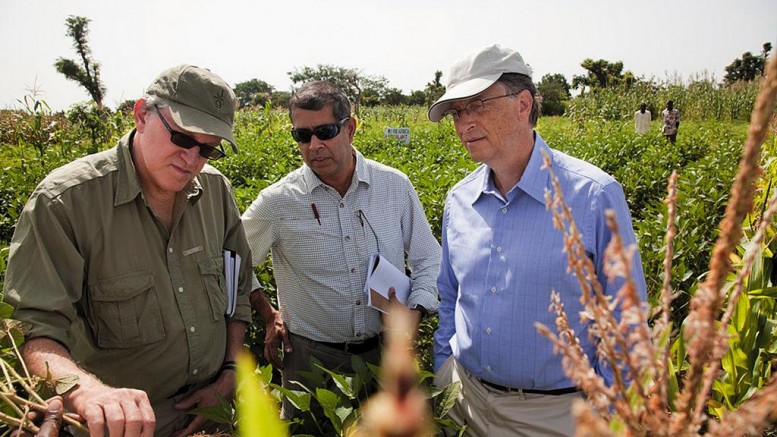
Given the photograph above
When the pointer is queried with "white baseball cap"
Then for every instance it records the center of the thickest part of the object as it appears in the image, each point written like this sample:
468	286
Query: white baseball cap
475	72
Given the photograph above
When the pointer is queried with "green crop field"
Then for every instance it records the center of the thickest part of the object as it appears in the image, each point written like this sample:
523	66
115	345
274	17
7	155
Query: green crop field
598	129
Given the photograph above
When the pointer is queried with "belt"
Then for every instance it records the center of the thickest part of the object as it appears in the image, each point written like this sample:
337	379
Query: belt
355	348
554	392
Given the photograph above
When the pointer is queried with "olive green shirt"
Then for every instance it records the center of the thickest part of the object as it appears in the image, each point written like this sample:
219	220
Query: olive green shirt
91	267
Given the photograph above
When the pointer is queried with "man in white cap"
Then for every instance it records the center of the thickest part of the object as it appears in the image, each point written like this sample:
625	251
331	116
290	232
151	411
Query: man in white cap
502	257
117	263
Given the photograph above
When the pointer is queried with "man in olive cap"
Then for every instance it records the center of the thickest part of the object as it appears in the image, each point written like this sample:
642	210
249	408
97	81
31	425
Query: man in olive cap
117	262
502	256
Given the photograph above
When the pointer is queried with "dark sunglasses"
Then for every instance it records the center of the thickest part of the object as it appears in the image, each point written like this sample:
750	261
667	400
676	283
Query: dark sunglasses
323	132
184	141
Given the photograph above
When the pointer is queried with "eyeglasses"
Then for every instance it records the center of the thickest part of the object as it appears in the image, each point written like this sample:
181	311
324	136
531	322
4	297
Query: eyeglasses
323	132
184	141
475	107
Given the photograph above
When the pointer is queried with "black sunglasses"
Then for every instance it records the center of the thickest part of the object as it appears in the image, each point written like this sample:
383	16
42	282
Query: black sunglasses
182	140
323	132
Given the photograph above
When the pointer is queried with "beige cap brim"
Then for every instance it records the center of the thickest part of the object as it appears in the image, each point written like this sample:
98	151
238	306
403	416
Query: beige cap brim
464	90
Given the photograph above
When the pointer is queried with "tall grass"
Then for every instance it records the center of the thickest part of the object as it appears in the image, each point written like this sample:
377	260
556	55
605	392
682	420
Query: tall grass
701	99
649	399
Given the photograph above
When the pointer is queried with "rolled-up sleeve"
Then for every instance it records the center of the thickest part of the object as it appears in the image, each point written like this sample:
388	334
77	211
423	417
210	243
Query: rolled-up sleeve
423	253
45	273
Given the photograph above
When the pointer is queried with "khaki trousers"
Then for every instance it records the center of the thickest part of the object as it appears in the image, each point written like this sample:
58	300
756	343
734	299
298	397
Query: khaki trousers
489	412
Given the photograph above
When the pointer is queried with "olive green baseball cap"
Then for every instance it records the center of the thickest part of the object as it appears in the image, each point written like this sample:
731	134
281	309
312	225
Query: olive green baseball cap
200	101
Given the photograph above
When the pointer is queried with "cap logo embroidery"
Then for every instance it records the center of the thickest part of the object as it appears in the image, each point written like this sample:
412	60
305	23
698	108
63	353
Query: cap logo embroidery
219	99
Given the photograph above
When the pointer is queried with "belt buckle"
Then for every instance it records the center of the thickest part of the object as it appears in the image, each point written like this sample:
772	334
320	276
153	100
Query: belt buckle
518	391
350	345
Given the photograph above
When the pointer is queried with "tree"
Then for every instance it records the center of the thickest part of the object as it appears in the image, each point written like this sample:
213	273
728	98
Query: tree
393	97
434	89
748	67
87	74
602	74
253	92
554	90
350	80
280	99
417	97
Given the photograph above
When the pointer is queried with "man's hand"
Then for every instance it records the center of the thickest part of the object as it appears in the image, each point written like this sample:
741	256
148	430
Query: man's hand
275	332
417	314
123	411
52	421
49	422
276	335
222	388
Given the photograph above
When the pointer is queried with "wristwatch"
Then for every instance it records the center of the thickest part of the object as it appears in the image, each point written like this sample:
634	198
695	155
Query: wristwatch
424	312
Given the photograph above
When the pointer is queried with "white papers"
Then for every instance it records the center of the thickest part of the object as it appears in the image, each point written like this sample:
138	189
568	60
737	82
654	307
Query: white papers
231	275
382	275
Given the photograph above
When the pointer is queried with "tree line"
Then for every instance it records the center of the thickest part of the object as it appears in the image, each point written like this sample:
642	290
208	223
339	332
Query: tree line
373	90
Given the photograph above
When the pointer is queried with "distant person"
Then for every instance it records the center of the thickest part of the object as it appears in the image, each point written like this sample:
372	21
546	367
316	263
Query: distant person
671	117
322	222
502	255
642	120
117	263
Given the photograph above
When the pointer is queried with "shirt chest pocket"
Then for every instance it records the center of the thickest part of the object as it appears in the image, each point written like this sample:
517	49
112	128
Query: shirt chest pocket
125	311
310	246
212	272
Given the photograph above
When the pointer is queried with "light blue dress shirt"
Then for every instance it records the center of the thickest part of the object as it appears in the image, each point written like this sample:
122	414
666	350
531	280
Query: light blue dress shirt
502	257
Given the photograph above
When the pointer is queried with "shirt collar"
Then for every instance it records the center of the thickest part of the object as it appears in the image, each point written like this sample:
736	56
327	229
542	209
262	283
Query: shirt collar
533	182
361	174
128	184
536	179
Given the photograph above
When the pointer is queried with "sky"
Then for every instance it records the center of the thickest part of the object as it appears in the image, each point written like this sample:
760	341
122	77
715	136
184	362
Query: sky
405	41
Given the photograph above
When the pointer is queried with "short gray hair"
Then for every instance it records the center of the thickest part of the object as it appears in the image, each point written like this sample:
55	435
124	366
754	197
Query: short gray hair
152	101
515	83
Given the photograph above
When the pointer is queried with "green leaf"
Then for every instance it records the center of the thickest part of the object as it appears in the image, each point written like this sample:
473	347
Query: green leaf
770	292
327	398
65	383
447	422
265	374
424	375
344	383
6	310
329	403
299	399
344	413
220	413
726	390
447	399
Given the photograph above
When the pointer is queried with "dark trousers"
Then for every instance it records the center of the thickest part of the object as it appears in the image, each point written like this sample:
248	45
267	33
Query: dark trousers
298	364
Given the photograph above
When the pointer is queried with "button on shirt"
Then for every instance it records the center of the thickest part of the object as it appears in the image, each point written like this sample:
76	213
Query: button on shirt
92	268
320	254
501	259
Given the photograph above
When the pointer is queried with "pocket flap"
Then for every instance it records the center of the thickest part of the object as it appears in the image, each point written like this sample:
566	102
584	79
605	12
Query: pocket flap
211	266
121	287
